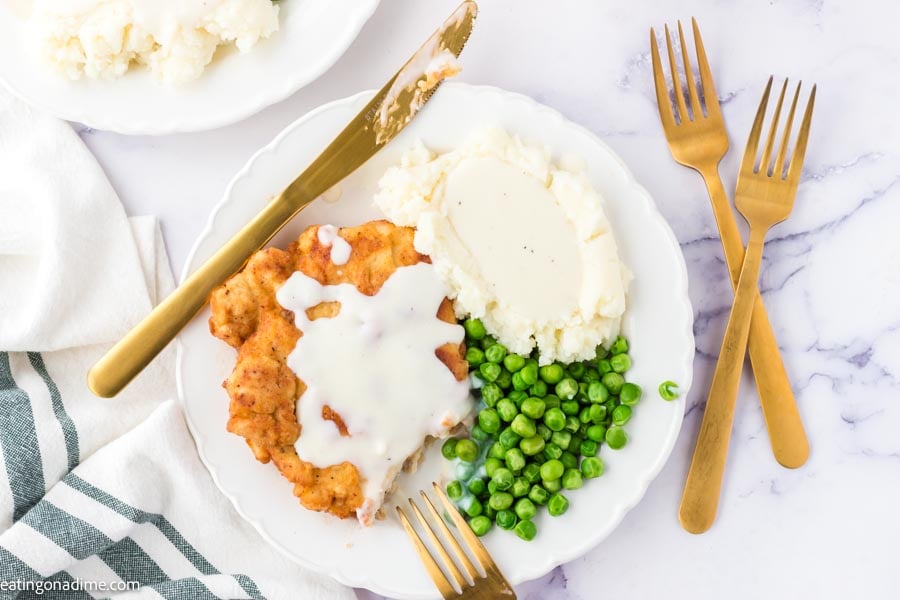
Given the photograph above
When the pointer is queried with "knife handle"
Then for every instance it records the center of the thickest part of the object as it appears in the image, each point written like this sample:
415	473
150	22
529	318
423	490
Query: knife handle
786	434
148	338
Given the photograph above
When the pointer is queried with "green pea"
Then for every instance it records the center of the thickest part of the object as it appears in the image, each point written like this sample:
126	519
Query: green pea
489	512
515	460
525	509
557	505
488	341
610	406
566	389
552	485
474	356
668	390
532	472
480	525
597	413
621	415
509	438
619	346
448	448
489	371
596	392
538	495
497	451
613	382
454	490
474	328
544	431
552	451
514	362
552	469
517	396
603	367
506	519
504	380
489	420
569	460
575	370
570	407
491	465
620	363
466	450
477	486
591	467
491	489
532	445
474	508
600	353
518	383
585	415
552	374
561	439
478	434
491	394
506	409
582	393
555	419
591	375
526	530
572	424
500	501
519	487
523	426
631	394
616	438
533	408
596	433
571	479
530	373
495	353
539	389
589	448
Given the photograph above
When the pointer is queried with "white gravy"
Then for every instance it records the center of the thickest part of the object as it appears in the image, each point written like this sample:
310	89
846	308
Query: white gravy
375	365
340	249
513	227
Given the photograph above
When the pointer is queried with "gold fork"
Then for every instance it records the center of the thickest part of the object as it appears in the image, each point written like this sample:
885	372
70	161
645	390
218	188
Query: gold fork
699	141
764	196
486	584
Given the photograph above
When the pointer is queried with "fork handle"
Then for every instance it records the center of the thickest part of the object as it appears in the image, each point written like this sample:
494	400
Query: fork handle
700	500
786	434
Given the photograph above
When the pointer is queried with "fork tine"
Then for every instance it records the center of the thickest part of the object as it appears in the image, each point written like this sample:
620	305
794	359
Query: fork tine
706	80
696	109
463	557
749	159
440	580
676	80
796	166
773	129
659	80
778	170
436	543
471	540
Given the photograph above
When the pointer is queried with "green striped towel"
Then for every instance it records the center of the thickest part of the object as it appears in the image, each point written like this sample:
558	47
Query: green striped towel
97	494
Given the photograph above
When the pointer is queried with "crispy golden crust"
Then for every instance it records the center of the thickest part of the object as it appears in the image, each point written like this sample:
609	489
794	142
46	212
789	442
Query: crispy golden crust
263	390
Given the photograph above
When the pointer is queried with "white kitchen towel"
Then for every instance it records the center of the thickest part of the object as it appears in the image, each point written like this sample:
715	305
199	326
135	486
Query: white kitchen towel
100	495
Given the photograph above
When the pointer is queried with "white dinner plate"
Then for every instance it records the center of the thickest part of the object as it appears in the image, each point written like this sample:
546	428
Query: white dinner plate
312	35
658	323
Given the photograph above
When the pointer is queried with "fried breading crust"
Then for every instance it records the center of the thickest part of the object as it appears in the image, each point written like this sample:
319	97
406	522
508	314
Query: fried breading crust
263	389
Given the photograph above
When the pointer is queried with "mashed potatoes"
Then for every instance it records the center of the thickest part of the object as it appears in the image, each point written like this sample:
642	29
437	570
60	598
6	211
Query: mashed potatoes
175	38
522	243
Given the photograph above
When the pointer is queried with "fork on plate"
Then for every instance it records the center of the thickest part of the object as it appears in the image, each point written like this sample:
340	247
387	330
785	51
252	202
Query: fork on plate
764	196
442	559
697	139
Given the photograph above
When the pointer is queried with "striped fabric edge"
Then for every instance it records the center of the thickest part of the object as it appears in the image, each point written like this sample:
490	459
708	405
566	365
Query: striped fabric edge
165	527
69	431
18	439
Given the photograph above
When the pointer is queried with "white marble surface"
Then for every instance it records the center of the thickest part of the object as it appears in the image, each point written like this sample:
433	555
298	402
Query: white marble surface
831	277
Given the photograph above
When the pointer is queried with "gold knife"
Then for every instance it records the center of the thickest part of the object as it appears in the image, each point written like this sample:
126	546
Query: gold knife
392	108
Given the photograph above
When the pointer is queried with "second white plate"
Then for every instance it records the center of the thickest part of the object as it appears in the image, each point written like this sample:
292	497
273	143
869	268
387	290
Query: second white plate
658	323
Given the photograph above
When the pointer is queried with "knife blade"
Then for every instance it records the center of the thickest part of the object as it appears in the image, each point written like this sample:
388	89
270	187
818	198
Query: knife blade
389	111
